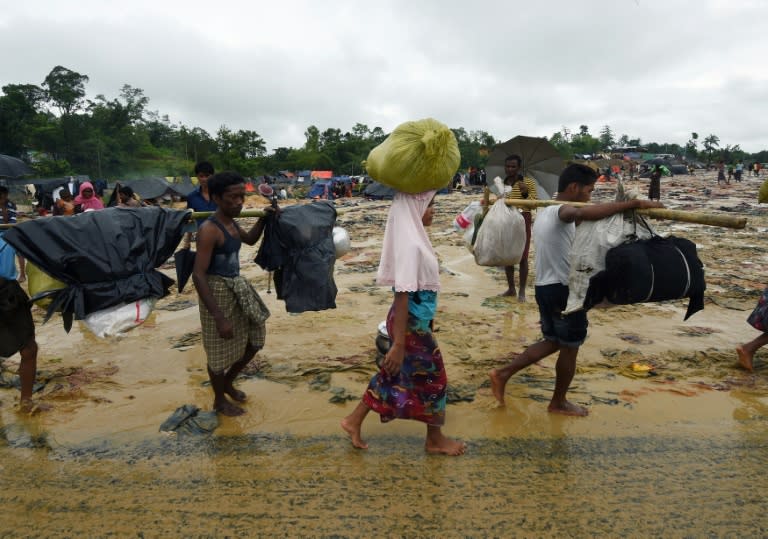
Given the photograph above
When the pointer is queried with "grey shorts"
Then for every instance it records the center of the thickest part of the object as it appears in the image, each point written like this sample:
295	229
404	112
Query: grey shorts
567	330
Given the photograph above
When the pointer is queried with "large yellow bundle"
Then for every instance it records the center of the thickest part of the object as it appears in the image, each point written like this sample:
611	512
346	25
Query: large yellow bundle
762	194
40	282
416	157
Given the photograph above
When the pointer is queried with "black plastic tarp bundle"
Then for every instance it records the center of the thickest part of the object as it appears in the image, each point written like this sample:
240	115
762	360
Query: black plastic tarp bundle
105	257
298	247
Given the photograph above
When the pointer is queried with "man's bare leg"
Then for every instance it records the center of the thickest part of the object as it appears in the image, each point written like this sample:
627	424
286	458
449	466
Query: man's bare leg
438	443
565	368
523	279
353	424
220	402
236	369
531	355
509	271
27	373
746	352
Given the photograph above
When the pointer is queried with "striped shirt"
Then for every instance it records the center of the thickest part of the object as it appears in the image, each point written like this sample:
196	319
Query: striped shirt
530	183
11	210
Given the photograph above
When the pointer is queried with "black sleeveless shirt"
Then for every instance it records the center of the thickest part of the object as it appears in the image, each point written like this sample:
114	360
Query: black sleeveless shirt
225	259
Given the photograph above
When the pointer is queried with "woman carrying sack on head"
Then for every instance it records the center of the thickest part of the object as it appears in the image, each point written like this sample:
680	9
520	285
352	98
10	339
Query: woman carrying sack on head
412	382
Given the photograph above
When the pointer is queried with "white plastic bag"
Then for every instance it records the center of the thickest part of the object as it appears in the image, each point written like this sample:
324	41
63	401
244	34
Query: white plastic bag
466	218
341	242
116	320
593	239
501	238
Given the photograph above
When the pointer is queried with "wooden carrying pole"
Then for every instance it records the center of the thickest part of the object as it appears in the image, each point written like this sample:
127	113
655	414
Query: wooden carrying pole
701	218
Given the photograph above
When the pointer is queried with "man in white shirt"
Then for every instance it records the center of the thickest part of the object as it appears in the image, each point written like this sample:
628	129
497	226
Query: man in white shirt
553	234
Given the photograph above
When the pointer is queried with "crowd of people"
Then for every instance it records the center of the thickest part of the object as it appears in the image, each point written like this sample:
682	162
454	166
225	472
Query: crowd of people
412	380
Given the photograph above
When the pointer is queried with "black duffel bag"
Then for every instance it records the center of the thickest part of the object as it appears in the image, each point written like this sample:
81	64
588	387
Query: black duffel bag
655	269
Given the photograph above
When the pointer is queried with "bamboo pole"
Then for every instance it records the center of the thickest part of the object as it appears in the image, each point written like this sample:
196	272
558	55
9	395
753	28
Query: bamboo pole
701	218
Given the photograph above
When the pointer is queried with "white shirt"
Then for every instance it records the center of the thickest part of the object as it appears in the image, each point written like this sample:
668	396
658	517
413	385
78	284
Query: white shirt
553	239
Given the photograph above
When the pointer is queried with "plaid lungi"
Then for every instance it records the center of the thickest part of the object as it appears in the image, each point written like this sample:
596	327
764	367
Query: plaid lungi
223	353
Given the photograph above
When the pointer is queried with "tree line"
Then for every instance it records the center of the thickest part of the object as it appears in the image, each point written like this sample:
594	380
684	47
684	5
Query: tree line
61	131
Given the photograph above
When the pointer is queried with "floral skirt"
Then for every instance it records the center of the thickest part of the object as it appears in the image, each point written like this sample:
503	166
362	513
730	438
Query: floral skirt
759	317
418	391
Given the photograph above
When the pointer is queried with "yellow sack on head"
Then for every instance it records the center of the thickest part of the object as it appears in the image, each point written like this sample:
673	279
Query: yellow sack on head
40	282
762	194
416	157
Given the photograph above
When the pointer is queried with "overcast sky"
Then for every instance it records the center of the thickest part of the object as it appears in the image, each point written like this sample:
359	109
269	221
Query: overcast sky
653	69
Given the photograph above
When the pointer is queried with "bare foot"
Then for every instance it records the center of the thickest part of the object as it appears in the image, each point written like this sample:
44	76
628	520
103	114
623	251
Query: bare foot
567	408
445	446
236	394
509	293
28	406
353	431
745	358
227	408
497	386
521	298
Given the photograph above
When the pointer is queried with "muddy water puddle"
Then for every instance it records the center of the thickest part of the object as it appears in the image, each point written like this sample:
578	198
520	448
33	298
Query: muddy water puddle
269	485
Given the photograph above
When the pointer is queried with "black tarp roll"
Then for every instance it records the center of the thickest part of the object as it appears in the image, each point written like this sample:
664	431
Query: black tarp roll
105	257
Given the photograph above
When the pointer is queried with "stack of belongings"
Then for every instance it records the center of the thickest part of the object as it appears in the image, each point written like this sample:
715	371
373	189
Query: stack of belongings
299	248
100	266
621	260
417	156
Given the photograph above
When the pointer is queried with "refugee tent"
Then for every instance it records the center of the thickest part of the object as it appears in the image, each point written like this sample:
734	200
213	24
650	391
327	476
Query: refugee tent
377	191
152	188
322	189
321	174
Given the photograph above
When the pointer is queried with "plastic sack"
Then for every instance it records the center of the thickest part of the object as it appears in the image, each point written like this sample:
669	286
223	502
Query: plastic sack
341	242
470	235
417	156
592	241
762	194
466	218
115	320
41	285
501	238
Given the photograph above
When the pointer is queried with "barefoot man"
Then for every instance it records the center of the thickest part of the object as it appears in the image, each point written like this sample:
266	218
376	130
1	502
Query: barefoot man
553	235
231	314
523	187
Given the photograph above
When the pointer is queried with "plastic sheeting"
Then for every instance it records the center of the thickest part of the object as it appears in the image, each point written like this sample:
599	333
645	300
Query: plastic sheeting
298	246
105	257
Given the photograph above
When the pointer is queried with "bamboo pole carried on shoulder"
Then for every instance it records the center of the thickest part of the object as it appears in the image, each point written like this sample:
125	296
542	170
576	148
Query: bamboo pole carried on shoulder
701	218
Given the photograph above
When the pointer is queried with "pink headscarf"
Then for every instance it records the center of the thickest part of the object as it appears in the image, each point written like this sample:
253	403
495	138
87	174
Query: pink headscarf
408	262
93	203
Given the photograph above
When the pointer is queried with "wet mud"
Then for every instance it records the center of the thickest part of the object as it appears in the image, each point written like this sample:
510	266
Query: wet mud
674	445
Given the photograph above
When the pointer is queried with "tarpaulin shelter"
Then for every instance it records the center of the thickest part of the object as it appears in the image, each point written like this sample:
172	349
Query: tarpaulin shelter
378	191
322	189
321	174
105	258
156	187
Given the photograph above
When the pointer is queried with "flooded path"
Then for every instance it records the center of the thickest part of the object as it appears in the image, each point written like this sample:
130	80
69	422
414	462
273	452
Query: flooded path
676	450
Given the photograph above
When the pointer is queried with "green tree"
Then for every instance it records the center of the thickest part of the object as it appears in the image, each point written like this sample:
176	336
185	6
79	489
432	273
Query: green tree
710	143
606	138
691	147
65	89
19	109
312	136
